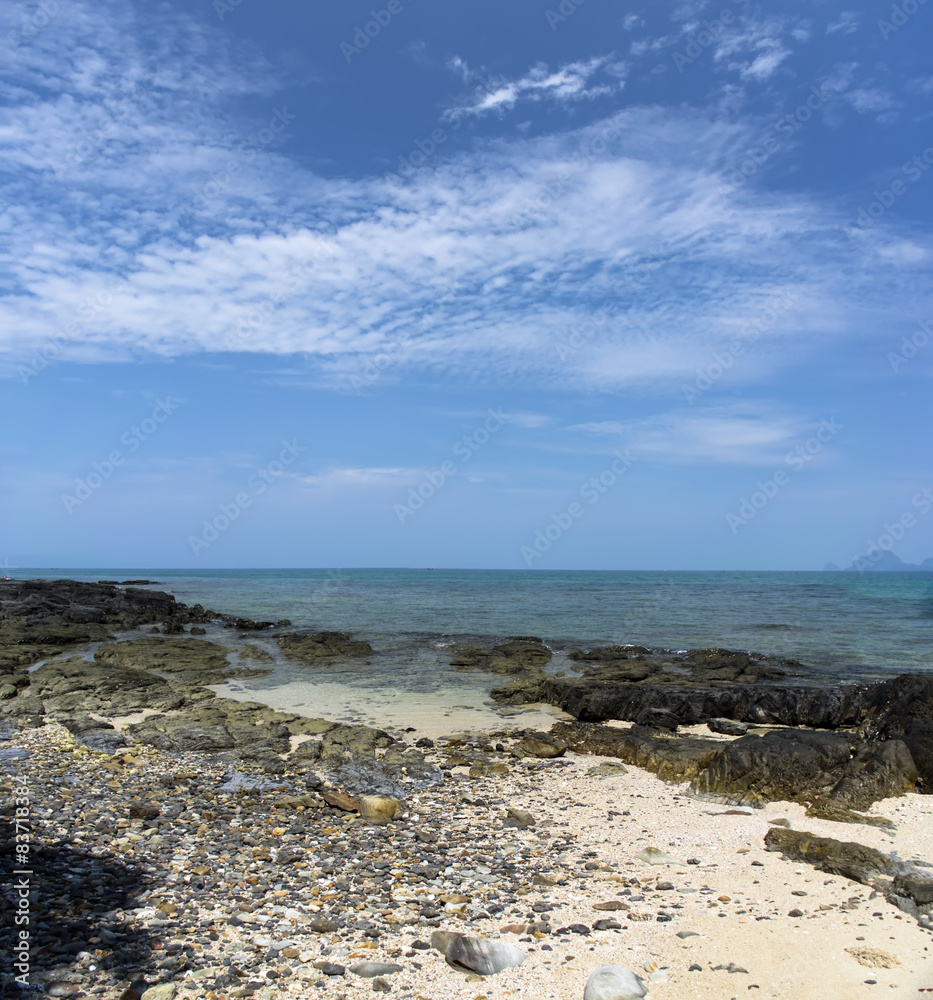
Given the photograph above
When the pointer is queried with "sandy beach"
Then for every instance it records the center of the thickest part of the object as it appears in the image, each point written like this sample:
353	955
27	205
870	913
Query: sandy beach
723	902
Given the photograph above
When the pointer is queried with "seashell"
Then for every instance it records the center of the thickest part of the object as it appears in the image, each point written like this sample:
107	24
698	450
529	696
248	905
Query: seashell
652	965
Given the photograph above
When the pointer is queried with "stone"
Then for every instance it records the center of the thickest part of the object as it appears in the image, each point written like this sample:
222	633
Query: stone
727	727
655	856
519	818
381	985
330	968
613	982
607	770
340	800
440	940
164	991
379	808
915	886
484	957
673	758
370	970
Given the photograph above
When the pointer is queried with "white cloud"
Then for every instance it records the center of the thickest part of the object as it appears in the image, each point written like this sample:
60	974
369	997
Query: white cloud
359	478
571	82
169	239
732	435
846	24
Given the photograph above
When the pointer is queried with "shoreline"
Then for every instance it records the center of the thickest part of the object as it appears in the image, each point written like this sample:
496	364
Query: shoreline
235	835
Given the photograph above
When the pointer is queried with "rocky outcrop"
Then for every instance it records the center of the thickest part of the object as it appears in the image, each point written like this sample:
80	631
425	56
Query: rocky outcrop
509	657
42	618
836	772
836	857
321	647
673	758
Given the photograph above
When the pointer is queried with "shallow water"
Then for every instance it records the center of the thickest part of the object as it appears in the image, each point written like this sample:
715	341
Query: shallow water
876	623
842	626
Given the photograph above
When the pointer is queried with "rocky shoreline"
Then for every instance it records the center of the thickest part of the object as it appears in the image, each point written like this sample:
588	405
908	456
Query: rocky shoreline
220	848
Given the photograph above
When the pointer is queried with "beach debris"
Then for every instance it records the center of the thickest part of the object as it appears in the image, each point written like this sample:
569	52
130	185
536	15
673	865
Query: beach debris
613	982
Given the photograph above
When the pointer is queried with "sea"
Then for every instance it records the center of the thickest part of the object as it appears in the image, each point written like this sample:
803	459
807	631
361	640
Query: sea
842	626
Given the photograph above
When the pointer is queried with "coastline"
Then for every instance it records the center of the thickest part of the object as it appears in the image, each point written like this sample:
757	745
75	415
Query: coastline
127	756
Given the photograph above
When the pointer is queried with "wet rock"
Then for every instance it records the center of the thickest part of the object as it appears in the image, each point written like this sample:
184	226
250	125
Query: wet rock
317	648
192	660
613	982
727	727
485	958
510	657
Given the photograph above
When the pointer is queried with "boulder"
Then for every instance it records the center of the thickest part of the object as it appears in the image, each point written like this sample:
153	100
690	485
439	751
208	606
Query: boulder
481	956
379	808
727	727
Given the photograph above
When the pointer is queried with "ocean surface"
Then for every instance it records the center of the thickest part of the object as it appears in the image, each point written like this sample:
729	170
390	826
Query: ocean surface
843	625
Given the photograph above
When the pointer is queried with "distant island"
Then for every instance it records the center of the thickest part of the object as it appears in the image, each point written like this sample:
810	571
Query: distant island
882	562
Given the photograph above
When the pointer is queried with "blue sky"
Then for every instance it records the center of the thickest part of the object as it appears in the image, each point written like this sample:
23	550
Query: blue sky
546	285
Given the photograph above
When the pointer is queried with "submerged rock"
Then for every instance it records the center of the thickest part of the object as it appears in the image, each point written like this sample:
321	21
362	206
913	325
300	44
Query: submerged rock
320	647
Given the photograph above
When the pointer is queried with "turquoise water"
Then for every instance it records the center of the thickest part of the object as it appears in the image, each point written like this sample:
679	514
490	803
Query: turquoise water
845	624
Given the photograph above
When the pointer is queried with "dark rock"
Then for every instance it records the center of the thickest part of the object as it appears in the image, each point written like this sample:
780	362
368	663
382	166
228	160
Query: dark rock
727	727
837	857
915	886
836	772
658	718
673	758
